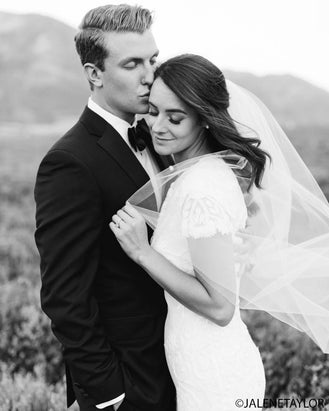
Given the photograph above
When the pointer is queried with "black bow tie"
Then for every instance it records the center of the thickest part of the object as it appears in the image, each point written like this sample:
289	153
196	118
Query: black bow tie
139	136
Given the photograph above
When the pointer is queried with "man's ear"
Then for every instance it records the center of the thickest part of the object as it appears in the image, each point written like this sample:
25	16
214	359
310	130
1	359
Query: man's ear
94	74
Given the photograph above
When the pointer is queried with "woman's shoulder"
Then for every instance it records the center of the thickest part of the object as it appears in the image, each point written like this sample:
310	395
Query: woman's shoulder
208	176
210	199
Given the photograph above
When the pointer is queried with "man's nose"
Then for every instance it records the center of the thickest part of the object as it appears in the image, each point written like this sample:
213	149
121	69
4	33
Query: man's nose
148	77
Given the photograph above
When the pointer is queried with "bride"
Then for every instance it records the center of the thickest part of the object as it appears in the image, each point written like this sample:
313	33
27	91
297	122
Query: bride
231	189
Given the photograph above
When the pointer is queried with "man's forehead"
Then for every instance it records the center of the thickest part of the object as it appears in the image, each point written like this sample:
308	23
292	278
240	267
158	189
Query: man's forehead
123	45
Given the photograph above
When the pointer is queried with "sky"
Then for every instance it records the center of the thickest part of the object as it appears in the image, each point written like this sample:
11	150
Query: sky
258	36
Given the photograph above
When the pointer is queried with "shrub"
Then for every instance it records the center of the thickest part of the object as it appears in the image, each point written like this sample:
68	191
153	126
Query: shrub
294	365
28	392
26	339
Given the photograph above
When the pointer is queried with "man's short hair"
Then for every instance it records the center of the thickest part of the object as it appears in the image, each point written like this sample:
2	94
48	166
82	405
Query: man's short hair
90	42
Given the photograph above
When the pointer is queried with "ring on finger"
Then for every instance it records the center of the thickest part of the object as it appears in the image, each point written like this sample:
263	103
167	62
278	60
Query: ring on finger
118	222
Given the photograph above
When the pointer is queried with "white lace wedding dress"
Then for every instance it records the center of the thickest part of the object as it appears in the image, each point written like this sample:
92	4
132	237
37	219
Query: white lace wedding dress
211	366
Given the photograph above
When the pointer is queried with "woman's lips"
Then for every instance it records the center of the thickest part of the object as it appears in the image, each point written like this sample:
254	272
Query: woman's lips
162	139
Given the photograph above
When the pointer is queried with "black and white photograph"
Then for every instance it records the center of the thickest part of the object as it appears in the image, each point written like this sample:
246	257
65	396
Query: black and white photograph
164	215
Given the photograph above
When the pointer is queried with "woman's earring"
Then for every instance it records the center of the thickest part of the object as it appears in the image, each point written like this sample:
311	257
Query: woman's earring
207	127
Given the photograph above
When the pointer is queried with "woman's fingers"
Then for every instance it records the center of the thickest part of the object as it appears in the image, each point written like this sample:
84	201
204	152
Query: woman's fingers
129	215
125	216
118	221
129	228
131	211
115	229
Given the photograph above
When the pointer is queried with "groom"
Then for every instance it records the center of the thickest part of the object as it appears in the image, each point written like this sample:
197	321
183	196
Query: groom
105	310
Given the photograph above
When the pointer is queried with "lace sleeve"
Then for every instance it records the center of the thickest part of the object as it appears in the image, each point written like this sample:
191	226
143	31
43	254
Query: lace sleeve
211	201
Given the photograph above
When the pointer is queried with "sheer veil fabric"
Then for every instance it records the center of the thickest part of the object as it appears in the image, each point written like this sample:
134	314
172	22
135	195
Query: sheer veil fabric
286	270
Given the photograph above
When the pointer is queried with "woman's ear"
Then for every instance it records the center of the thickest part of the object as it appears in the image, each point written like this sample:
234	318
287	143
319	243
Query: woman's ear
204	124
94	74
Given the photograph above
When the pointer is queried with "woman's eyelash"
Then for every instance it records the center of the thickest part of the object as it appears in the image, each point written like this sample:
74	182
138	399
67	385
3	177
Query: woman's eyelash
155	113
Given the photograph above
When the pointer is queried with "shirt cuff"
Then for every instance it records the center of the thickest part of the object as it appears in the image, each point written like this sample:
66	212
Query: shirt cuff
108	403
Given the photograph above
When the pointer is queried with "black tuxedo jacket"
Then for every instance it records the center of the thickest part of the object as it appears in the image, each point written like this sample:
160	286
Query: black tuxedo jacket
105	310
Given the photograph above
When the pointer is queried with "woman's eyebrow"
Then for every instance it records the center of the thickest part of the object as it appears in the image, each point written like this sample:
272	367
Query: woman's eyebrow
169	110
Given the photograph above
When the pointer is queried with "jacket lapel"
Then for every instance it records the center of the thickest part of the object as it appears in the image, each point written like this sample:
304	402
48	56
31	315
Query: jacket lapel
114	145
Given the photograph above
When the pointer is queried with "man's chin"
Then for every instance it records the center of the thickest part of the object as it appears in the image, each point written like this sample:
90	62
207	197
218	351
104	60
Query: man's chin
142	109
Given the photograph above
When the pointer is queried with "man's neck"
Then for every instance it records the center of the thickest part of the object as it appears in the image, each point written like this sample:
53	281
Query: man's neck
129	118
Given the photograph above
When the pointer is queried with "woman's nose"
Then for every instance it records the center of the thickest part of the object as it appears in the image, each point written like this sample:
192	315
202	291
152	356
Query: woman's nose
158	125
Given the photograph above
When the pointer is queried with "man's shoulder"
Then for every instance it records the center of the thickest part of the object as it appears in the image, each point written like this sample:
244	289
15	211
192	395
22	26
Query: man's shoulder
70	150
71	139
79	141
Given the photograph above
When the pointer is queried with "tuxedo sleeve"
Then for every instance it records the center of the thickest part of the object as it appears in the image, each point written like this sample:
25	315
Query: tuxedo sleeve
69	222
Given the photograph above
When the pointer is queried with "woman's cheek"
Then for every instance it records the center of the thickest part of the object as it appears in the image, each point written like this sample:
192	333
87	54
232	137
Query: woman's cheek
149	121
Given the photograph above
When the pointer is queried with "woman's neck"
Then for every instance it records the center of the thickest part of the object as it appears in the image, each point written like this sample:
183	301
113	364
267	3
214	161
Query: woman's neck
198	150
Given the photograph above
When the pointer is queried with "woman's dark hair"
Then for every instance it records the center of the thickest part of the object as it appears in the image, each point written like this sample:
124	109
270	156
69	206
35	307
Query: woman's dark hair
201	86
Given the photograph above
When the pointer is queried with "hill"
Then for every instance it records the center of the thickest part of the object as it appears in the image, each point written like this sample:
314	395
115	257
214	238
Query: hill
41	74
42	78
295	102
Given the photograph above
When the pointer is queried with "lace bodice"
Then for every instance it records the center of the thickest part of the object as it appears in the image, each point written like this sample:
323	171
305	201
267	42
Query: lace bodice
203	201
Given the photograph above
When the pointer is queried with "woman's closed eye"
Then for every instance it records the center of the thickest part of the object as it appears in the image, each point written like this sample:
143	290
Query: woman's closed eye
172	119
175	120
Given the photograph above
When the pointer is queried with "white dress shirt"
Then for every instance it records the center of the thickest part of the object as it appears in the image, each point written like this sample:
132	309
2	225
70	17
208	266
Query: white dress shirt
146	160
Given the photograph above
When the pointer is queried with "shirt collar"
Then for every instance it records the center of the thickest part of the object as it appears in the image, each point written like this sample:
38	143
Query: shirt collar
121	126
